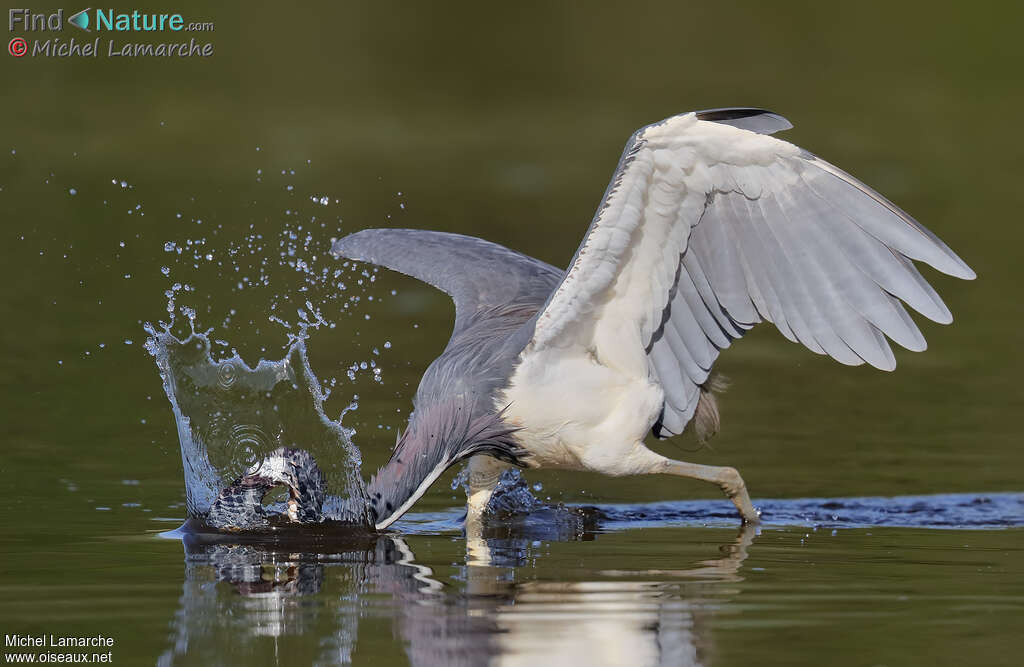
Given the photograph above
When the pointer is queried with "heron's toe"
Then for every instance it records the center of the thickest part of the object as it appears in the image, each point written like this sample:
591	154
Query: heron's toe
735	489
731	483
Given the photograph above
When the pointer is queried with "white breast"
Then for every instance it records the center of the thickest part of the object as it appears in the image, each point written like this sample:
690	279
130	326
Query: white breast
577	414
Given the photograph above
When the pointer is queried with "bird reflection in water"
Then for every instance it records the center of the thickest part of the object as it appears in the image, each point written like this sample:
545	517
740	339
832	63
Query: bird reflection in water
291	604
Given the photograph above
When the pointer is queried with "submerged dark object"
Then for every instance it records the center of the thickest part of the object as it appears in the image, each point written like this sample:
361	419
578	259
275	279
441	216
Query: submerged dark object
240	505
708	227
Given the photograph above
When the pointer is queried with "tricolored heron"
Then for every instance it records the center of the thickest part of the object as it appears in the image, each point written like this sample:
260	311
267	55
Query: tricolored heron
709	226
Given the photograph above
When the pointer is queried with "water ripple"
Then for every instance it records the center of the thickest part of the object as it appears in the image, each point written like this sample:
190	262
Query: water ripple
939	511
950	510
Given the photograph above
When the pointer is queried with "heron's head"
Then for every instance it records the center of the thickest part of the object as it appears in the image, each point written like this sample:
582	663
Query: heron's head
439	436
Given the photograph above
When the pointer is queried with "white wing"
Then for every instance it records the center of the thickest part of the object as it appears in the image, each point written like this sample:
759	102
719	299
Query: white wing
707	229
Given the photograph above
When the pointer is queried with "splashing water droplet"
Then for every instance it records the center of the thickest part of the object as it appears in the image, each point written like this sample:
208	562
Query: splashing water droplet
226	374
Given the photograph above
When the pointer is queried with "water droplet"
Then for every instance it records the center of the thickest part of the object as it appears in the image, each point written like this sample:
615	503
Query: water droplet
226	374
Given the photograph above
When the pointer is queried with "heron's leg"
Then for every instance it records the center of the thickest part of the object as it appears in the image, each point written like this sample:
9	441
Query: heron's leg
484	473
726	478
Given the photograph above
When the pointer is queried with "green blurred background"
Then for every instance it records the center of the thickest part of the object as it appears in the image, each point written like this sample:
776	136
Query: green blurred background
502	121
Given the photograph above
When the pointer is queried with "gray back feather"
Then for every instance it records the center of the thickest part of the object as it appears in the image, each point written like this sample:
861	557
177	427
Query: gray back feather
477	274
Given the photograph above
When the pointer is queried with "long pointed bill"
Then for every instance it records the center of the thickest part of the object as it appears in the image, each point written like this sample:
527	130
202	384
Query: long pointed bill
393	515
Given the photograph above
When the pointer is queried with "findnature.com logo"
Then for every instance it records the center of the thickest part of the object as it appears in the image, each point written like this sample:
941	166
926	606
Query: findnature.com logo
104	21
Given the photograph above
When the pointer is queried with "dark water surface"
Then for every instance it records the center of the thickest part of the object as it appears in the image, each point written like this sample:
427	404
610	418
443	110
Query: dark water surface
892	529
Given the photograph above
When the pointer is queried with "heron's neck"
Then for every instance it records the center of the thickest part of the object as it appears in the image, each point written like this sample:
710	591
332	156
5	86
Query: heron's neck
439	436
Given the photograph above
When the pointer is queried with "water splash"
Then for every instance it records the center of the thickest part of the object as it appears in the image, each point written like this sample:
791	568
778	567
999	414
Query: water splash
276	269
230	416
511	495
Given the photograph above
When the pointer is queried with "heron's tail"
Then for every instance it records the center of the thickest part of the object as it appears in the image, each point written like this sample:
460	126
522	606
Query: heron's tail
706	420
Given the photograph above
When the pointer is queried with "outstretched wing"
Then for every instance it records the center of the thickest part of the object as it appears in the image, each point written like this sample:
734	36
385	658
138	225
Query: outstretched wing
475	273
707	229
